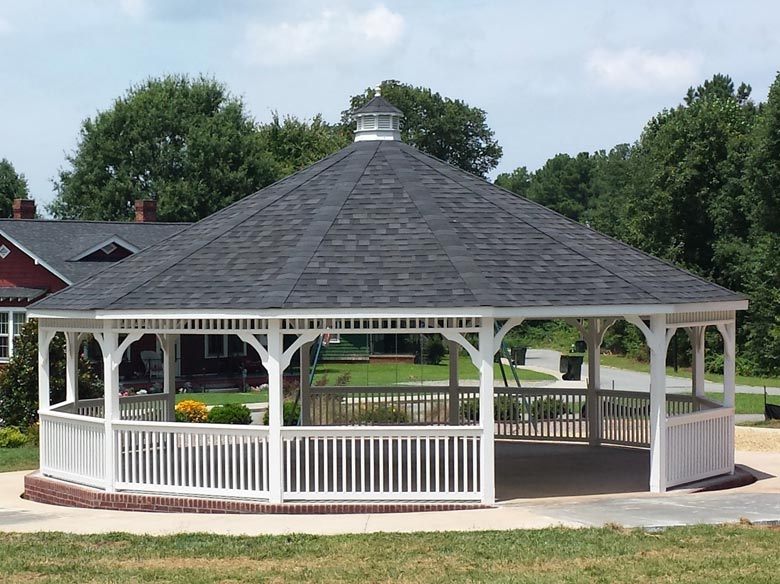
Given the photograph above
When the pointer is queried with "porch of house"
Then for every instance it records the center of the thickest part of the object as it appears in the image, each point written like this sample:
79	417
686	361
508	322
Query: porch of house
438	445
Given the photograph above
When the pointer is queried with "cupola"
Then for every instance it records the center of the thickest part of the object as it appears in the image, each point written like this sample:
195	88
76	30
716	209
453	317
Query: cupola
378	120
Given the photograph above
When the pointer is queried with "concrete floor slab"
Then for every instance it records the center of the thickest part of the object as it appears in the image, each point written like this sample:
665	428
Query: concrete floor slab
583	487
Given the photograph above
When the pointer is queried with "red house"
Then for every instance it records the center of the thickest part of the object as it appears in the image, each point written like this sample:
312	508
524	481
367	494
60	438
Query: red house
41	256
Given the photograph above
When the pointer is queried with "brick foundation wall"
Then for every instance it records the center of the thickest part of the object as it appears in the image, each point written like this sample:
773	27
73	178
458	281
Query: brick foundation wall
53	492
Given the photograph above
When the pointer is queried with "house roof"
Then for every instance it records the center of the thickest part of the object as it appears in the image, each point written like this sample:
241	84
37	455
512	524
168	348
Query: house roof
16	293
382	225
58	244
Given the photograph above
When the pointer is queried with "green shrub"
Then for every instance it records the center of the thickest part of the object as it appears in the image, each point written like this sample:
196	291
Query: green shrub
19	380
469	409
505	407
12	437
434	350
382	415
548	408
291	413
33	434
229	414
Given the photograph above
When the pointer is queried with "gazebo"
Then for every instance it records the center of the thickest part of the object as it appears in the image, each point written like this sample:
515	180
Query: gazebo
378	238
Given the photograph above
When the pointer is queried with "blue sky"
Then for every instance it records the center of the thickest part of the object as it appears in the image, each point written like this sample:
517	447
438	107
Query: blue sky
559	76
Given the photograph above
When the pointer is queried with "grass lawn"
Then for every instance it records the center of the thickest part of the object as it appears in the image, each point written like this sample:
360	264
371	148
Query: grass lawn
746	403
633	365
703	554
774	424
223	397
373	374
22	458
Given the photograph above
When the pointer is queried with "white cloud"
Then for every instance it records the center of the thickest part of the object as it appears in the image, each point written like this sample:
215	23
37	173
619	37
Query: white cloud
345	35
640	70
134	8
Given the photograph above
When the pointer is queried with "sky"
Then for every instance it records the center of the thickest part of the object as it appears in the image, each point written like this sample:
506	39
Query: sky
554	76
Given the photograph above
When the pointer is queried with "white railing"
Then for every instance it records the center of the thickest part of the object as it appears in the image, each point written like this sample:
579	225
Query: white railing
197	459
382	463
401	404
151	407
699	445
73	448
540	414
624	417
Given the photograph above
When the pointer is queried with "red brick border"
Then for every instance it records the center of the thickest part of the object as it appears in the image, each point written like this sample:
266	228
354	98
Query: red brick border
54	492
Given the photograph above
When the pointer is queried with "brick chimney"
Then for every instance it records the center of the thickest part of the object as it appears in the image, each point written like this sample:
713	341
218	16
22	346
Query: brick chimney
24	209
145	211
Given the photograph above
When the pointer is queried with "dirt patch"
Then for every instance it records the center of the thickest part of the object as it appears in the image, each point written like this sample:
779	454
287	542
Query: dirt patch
756	439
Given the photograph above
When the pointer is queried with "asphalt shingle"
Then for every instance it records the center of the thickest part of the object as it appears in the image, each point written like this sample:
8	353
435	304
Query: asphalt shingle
381	225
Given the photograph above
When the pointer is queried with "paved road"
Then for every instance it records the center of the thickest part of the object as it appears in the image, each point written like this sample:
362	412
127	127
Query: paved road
632	380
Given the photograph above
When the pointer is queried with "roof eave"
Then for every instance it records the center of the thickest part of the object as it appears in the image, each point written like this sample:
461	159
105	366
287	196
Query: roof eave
536	312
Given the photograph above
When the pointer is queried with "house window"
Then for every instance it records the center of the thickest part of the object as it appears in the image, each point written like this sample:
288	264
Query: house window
217	346
10	326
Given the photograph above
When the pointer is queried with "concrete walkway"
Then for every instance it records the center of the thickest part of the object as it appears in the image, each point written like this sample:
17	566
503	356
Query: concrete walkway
757	502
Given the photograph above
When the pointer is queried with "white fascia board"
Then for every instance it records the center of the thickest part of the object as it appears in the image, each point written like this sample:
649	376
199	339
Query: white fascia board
115	239
43	313
35	258
545	312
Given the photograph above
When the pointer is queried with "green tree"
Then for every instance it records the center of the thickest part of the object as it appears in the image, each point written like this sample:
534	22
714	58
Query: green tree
12	186
446	128
758	261
186	143
295	144
688	196
518	181
564	184
19	380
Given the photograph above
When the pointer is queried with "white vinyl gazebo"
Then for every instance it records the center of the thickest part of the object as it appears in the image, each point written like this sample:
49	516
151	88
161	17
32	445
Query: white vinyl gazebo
378	238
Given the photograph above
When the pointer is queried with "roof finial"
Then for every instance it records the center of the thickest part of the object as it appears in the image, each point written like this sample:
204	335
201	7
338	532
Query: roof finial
378	90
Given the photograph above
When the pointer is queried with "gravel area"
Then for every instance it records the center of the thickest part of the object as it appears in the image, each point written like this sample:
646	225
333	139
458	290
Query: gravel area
757	439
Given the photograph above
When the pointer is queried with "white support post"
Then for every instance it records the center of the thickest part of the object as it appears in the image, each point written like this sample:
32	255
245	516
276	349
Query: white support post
44	395
658	343
487	461
696	334
274	367
168	346
454	396
305	358
729	333
111	360
658	338
72	369
593	339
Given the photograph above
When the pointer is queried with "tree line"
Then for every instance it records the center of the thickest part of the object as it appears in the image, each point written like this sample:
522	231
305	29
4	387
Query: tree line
699	187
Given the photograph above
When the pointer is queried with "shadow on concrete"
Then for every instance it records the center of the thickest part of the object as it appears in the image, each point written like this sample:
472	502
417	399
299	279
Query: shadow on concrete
760	475
530	470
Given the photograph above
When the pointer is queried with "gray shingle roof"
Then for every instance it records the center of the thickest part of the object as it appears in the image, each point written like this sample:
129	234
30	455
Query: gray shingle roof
57	242
16	293
381	225
378	105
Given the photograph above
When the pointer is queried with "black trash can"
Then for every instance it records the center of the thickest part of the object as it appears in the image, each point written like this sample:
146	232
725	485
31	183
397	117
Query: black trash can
518	355
571	367
579	347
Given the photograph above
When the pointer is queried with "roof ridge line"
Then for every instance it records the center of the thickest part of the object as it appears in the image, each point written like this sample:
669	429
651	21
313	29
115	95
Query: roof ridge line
220	232
546	233
456	264
330	225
